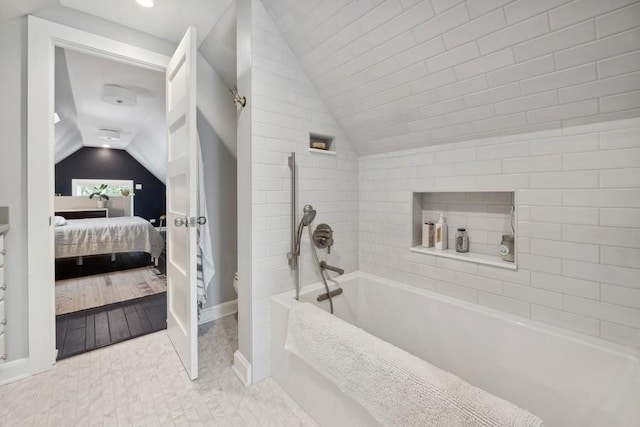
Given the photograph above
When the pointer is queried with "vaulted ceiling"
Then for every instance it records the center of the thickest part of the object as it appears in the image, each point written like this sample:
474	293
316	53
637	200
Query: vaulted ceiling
80	81
401	74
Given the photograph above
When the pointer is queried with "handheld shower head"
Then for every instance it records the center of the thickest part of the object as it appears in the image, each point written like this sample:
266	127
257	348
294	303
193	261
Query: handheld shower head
307	218
309	215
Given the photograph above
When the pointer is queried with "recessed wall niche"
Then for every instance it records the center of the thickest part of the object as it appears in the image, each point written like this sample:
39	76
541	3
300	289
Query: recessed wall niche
485	215
321	144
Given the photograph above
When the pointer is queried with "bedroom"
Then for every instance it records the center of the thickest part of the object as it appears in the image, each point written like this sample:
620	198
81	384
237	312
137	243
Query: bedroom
110	204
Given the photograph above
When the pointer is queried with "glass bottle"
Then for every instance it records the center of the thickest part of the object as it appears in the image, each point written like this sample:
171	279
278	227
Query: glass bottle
462	240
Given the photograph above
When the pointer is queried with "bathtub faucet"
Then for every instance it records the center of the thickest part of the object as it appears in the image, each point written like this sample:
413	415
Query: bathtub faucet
325	266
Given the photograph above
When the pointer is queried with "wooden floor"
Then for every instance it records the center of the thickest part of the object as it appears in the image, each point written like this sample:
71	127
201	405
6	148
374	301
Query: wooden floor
98	327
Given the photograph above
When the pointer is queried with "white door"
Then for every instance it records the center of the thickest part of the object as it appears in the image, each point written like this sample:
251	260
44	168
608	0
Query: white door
182	181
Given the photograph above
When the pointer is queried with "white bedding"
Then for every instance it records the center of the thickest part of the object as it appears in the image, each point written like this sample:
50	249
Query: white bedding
95	236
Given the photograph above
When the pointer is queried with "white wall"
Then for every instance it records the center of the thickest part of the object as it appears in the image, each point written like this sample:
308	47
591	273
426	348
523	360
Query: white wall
220	189
244	30
285	107
578	195
219	48
13	179
217	130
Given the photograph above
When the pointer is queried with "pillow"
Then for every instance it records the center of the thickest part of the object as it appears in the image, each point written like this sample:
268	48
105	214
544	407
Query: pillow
59	221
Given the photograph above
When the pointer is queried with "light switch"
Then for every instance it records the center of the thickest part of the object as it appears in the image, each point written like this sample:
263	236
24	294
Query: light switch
138	186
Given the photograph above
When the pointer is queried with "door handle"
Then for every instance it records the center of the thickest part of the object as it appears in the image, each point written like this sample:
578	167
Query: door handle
179	222
193	221
189	222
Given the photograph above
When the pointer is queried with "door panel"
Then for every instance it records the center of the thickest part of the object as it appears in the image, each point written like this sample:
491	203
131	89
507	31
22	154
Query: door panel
182	177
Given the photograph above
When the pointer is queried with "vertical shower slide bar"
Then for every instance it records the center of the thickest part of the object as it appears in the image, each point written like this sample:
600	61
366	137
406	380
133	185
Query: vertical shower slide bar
293	255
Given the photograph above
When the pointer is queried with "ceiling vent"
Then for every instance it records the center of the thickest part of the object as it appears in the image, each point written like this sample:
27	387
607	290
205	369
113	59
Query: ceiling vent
118	95
109	134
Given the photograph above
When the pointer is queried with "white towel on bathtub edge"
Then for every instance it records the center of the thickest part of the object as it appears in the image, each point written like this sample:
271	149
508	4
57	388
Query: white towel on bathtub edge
395	387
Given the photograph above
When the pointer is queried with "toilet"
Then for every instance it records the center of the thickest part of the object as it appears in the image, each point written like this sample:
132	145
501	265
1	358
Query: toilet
235	288
235	283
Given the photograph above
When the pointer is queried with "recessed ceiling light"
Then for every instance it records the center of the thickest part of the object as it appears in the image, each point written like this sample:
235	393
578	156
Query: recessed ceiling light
109	134
106	146
118	95
145	3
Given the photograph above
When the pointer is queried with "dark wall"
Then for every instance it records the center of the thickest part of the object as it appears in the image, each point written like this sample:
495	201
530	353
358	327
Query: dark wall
105	163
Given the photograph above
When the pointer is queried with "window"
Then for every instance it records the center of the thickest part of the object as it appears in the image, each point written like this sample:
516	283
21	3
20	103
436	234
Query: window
84	187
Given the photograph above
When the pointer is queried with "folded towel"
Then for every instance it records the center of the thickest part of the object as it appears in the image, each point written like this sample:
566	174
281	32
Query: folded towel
395	387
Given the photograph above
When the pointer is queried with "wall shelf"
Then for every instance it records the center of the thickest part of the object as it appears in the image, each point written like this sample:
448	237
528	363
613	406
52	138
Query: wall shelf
317	150
486	215
322	143
492	260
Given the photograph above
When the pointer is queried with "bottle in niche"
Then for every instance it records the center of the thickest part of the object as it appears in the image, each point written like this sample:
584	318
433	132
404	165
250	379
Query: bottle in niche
428	235
462	240
441	233
507	247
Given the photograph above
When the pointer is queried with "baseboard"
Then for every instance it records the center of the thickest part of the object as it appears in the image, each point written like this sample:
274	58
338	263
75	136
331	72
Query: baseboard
209	314
14	370
242	368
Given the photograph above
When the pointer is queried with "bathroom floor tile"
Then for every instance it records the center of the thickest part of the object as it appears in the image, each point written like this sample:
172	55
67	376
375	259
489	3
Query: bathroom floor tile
141	382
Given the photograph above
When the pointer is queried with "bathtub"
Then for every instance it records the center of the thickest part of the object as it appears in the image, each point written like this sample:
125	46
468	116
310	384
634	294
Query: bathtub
567	379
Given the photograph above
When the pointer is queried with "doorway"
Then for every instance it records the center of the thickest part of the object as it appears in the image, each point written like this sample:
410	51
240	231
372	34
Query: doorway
44	37
110	202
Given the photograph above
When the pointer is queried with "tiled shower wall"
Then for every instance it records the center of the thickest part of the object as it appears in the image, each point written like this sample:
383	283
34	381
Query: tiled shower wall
578	205
285	109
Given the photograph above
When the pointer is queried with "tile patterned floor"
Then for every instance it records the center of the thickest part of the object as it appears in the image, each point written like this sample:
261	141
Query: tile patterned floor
141	383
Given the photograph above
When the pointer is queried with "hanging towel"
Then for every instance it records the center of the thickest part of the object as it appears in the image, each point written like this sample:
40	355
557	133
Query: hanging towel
395	387
206	266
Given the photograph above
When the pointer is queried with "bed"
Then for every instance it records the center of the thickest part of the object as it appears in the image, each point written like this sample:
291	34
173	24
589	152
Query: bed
98	236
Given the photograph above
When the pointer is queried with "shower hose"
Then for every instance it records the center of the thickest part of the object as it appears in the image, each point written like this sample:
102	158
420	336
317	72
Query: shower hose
317	260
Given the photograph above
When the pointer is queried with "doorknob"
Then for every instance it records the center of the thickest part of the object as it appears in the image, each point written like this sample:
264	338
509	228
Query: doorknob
189	222
193	221
179	222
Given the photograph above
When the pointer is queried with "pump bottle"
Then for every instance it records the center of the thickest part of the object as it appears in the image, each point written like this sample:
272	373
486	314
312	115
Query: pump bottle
441	233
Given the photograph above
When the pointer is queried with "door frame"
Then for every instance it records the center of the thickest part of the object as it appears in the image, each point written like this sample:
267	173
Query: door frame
43	37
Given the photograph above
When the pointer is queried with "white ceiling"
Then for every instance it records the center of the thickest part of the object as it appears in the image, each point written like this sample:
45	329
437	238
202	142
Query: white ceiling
168	19
400	74
12	9
219	47
141	127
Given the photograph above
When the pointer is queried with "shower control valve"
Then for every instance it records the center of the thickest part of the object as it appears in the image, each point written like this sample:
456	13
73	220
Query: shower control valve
323	237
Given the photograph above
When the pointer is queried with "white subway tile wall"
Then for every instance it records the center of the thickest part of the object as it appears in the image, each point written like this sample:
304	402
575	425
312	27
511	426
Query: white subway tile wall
402	74
286	108
578	203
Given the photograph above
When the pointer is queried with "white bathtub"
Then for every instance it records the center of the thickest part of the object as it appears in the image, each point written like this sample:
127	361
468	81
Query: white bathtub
565	378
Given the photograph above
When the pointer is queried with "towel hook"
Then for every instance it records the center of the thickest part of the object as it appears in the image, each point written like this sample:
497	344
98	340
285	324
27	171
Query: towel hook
241	100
